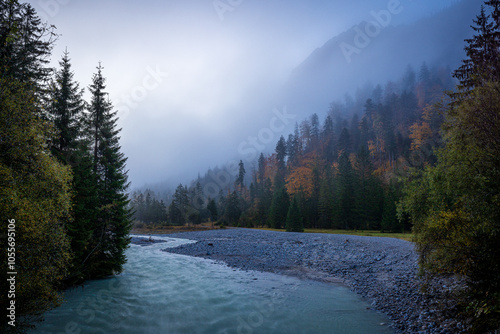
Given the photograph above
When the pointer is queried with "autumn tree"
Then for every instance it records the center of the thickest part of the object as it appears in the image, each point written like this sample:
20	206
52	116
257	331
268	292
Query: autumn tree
454	205
35	189
35	196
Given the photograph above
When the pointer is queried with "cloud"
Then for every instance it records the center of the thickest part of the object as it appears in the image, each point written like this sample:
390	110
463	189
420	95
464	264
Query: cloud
223	75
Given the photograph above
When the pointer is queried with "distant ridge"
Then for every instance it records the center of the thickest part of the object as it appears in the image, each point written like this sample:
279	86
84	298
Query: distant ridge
368	52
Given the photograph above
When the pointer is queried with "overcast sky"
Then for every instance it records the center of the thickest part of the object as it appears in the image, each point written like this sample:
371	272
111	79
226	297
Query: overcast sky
194	79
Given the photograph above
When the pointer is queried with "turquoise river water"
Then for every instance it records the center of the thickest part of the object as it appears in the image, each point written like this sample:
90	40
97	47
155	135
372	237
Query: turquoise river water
159	292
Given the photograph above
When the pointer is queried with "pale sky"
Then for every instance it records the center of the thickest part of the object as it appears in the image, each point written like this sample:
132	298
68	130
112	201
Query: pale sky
194	79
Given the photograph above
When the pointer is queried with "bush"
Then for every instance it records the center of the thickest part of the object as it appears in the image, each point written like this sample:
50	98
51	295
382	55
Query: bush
139	224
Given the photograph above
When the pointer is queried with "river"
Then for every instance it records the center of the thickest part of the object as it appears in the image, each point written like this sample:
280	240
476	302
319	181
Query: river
160	292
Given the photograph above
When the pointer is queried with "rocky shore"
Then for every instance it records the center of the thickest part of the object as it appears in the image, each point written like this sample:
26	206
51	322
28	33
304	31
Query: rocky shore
383	270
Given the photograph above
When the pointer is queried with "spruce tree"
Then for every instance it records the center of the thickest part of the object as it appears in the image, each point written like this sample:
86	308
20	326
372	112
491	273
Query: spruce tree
346	204
178	210
313	213
390	222
233	208
279	208
65	109
328	140
240	180
281	157
483	52
344	143
294	220
369	193
25	45
212	208
326	200
264	201
113	217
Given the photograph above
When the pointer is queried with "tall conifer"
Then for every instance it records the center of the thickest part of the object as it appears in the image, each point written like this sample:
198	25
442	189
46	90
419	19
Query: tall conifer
113	218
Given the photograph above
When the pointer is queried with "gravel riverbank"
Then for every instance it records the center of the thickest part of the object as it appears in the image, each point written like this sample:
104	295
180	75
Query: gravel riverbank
383	270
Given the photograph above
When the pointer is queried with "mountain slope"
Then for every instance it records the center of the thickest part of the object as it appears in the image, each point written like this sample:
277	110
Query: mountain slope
374	53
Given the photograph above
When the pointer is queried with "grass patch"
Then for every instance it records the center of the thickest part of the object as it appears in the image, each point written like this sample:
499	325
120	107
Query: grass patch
402	236
151	229
168	229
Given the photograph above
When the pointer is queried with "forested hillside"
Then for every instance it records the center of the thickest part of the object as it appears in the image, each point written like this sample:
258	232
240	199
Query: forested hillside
419	154
351	58
63	206
343	170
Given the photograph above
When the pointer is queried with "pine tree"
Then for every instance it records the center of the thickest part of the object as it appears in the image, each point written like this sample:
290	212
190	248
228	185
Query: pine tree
315	132
369	192
113	218
346	204
240	181
279	208
344	143
281	157
138	206
409	80
264	202
328	140
85	201
25	45
313	214
179	208
212	208
390	222
294	220
483	52
262	169
355	133
326	200
65	108
233	209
